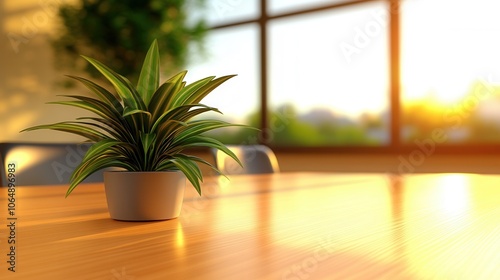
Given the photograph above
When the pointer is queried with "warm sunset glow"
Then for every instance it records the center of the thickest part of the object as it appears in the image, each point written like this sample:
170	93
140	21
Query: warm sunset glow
443	91
441	59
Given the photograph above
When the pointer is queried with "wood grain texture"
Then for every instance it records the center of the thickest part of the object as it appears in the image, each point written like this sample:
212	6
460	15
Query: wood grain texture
277	226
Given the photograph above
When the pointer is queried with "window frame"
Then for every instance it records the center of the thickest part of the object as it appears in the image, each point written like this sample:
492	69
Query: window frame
395	145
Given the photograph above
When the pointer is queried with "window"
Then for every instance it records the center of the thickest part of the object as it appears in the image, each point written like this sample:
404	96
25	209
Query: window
329	86
360	75
232	51
218	12
450	71
284	6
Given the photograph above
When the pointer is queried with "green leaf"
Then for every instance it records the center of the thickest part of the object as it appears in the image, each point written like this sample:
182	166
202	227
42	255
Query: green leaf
99	148
166	135
89	133
179	84
110	133
204	141
88	167
128	111
97	106
161	98
86	106
121	84
204	162
168	129
172	114
182	113
190	169
106	149
102	93
198	127
121	133
182	96
148	141
195	112
206	89
150	74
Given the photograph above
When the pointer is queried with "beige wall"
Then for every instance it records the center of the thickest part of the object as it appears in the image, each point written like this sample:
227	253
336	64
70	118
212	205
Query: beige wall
27	76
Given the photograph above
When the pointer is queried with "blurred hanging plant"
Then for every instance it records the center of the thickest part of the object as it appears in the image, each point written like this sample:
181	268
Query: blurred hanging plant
118	32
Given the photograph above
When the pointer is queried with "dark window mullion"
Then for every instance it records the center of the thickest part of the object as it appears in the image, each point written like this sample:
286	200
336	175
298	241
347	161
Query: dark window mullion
264	115
395	74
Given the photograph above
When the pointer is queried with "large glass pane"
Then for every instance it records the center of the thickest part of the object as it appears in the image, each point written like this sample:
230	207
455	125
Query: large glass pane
450	71
232	51
328	79
225	11
283	6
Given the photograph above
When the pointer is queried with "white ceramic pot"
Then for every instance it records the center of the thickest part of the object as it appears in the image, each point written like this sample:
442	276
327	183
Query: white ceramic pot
144	196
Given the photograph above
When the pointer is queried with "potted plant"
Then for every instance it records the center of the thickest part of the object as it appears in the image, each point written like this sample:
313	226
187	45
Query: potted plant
144	130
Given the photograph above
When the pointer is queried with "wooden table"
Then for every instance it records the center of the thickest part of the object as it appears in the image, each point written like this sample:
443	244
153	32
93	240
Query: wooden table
283	226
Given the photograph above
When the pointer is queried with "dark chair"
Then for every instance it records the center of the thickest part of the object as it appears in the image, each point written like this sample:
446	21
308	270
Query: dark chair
256	159
43	163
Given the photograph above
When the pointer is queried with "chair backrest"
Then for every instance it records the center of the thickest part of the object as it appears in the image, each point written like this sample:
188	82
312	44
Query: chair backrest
43	163
256	159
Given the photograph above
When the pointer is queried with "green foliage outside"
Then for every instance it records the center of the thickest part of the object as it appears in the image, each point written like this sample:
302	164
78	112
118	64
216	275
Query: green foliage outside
473	119
287	129
118	33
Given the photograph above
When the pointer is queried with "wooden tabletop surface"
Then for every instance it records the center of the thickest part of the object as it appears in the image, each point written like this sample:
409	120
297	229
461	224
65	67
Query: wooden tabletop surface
280	226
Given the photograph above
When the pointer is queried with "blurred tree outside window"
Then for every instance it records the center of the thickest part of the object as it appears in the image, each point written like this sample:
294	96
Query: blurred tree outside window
119	32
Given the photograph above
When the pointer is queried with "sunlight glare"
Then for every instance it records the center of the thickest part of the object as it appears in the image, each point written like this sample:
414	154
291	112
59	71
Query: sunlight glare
443	59
179	237
454	193
23	157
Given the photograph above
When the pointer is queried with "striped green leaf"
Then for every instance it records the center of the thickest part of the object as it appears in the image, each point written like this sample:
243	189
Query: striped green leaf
183	95
106	96
190	169
121	85
206	89
150	74
89	133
